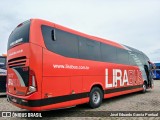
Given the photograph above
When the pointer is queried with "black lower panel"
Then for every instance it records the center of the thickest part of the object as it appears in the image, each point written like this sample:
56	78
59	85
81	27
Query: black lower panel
2	84
65	98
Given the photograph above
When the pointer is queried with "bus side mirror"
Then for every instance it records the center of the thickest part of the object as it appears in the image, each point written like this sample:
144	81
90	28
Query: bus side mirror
53	35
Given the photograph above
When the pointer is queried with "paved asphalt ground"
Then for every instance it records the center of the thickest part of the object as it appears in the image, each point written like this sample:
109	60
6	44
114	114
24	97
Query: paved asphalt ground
150	101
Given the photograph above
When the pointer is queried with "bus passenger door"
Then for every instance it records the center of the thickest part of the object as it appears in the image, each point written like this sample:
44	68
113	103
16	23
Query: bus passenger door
149	74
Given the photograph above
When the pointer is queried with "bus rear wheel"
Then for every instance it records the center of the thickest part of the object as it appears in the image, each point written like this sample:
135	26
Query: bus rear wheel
95	97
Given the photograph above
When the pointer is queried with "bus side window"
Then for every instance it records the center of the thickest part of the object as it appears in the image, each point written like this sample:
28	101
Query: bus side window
109	53
122	56
132	57
89	49
64	43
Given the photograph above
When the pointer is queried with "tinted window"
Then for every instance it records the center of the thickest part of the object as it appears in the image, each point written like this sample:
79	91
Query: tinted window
132	58
142	59
109	53
146	59
137	59
89	49
19	35
122	56
65	44
2	62
157	67
74	46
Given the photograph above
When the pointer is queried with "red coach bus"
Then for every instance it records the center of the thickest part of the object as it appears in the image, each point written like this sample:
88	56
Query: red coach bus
51	66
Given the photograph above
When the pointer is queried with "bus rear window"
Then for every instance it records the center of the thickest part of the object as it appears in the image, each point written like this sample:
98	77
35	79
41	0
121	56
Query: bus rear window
19	35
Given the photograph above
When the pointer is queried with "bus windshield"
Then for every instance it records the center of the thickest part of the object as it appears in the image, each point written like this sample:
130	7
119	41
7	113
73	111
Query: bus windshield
19	35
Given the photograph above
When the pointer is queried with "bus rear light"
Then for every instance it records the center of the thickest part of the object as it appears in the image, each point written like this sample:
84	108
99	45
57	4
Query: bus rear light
32	83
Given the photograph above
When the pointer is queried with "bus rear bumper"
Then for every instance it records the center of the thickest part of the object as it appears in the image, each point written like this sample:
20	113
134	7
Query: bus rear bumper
38	104
22	103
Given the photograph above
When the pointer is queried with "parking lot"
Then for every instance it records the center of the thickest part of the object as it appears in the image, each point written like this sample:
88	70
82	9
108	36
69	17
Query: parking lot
150	101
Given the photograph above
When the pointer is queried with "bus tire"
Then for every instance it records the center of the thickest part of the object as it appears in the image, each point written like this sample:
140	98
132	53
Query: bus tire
144	87
95	97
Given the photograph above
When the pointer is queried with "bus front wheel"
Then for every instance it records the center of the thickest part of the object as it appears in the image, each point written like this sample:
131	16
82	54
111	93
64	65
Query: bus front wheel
144	87
95	97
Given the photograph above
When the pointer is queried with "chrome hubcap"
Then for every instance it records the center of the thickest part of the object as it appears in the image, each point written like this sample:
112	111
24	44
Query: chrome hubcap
144	88
96	97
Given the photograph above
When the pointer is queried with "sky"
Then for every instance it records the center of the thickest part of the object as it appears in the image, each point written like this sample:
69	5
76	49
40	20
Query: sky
135	23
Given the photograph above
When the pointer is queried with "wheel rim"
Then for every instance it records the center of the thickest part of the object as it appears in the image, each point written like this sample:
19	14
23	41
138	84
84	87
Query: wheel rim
144	87
96	97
